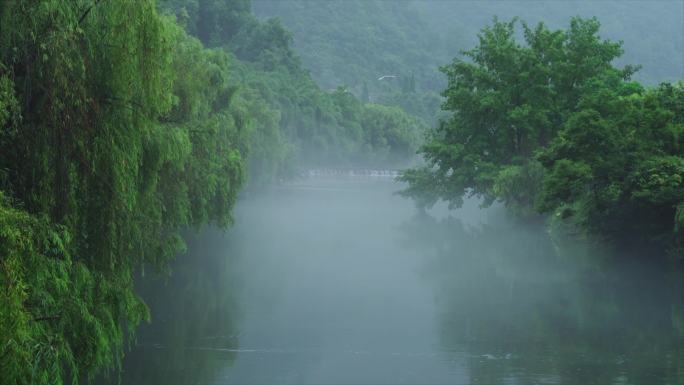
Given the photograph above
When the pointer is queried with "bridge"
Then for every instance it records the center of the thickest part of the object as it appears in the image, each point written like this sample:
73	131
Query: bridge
351	173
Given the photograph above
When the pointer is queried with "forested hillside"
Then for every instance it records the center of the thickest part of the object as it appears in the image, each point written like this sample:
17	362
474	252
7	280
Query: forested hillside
314	125
651	31
371	39
354	43
375	38
384	51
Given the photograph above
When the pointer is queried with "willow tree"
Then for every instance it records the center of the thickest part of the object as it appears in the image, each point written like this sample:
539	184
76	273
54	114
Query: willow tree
117	132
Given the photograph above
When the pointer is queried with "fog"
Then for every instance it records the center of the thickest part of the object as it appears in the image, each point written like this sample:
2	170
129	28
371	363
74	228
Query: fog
338	280
342	192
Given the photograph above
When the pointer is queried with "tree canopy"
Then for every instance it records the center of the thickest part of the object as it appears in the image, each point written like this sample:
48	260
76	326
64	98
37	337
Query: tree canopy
508	99
550	124
117	131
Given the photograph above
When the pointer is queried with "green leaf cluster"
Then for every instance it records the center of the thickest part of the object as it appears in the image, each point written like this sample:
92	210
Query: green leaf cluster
617	167
117	130
549	124
508	99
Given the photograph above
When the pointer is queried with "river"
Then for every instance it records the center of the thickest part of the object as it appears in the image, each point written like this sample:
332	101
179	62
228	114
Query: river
340	281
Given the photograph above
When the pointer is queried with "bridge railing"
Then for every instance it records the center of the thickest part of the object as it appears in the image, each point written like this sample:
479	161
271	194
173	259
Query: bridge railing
351	173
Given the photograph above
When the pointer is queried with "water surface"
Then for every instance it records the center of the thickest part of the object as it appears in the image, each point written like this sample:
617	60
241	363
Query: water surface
341	282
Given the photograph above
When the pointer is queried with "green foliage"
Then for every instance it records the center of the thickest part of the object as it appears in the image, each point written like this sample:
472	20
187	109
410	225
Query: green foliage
379	37
372	39
551	125
650	31
391	133
58	318
9	107
196	316
616	168
314	127
519	185
270	155
425	105
117	131
509	99
411	39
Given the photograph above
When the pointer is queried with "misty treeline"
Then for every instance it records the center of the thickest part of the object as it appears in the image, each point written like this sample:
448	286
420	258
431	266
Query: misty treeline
411	39
309	125
123	123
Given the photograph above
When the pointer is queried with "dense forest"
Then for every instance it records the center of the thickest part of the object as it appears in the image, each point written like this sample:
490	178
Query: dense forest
376	38
412	39
308	124
126	125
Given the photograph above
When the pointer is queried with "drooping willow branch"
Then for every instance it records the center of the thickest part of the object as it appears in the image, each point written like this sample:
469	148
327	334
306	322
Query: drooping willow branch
87	11
48	318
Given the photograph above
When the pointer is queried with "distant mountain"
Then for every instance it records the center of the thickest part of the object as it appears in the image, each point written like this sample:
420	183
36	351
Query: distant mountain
349	42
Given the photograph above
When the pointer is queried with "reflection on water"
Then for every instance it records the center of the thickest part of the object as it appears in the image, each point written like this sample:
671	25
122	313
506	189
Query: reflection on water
194	312
342	282
527	312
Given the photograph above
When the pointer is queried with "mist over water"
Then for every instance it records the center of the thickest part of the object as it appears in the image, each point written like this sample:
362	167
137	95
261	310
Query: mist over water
330	281
207	192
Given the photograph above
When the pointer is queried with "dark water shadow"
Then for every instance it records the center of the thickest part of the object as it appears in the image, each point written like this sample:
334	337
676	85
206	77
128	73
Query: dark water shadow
194	329
524	309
